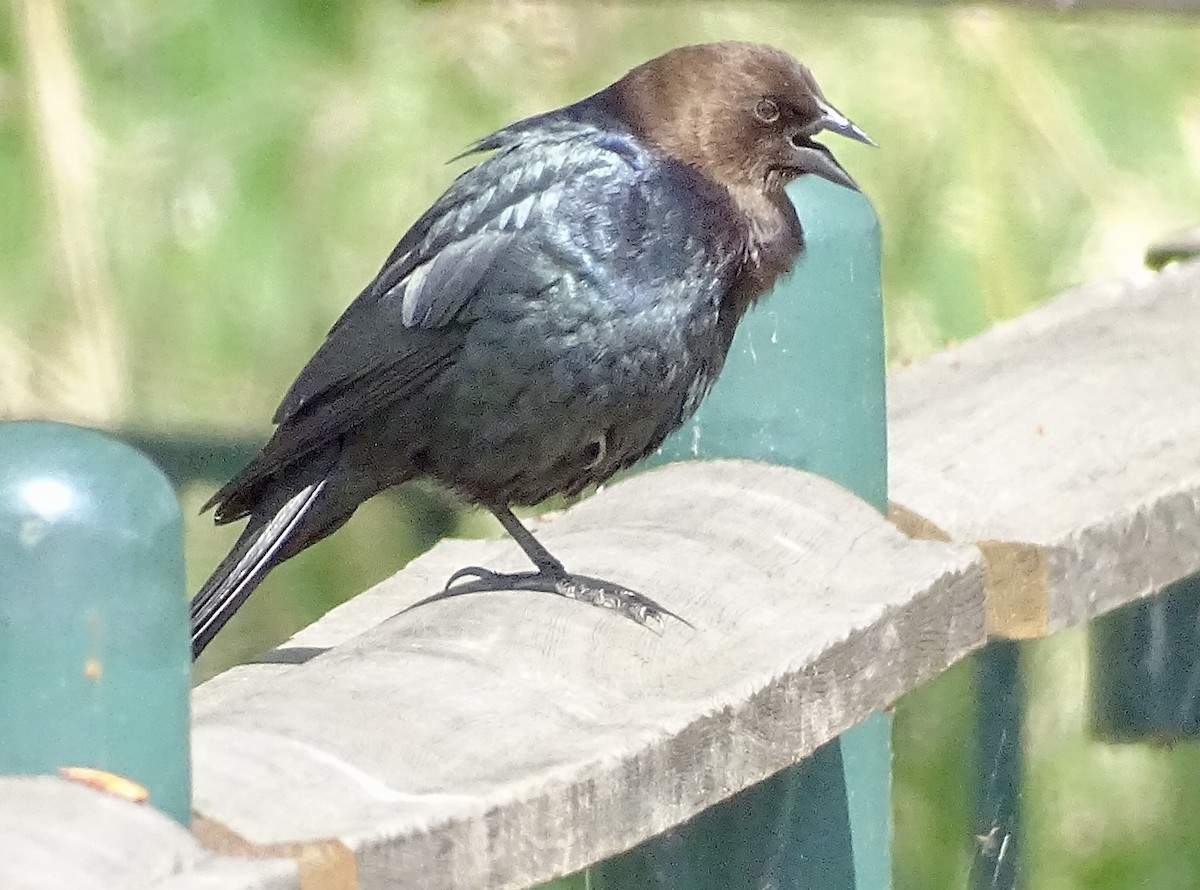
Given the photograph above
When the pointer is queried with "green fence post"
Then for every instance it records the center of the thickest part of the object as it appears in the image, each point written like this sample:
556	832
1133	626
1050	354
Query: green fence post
803	387
999	733
1145	664
95	664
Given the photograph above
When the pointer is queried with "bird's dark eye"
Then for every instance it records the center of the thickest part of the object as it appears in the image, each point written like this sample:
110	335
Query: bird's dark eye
766	111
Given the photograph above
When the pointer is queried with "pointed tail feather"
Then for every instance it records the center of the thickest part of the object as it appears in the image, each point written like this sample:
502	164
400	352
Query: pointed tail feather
247	564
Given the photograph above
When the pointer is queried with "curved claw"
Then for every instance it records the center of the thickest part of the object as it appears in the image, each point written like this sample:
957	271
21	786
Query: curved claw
594	591
475	571
486	581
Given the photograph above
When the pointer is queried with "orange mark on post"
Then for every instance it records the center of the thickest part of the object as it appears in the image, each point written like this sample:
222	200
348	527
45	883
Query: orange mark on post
102	780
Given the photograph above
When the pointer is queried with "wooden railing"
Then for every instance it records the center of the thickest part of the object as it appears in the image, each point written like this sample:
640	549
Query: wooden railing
1041	475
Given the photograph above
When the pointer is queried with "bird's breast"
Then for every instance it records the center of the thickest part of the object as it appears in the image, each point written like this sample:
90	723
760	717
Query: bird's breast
570	393
597	332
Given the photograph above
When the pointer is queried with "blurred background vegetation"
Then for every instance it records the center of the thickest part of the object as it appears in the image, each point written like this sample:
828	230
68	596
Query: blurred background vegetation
191	192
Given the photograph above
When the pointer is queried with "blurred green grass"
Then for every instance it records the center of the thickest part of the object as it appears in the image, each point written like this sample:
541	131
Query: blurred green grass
191	193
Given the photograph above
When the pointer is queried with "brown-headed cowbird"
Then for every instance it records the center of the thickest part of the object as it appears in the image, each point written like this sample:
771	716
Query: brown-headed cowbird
563	307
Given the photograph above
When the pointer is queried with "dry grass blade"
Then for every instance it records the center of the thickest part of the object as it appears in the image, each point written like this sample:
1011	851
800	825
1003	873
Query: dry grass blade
92	348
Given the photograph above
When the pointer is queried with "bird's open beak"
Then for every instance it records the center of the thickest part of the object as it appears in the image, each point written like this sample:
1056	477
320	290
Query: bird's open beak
819	160
836	122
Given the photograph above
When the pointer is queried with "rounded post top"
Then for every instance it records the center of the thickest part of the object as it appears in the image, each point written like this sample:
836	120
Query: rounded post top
94	656
56	472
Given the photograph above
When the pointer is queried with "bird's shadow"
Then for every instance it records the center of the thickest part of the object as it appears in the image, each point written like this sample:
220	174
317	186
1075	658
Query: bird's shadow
291	655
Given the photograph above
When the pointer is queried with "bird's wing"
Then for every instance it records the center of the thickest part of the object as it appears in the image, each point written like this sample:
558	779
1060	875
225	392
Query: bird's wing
407	325
500	205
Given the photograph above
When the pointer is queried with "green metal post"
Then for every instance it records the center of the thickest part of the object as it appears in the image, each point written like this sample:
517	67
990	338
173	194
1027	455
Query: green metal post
999	733
95	663
803	387
1146	668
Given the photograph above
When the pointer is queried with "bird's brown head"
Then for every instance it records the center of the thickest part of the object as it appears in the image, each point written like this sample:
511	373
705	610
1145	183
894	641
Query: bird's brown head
743	113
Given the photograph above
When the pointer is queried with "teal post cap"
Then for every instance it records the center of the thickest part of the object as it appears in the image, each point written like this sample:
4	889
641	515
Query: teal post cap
95	667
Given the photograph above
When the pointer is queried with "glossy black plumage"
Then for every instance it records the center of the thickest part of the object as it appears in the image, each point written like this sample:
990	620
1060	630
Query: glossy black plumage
563	307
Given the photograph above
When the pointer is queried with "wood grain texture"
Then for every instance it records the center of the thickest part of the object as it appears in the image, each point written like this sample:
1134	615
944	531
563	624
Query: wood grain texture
56	835
500	740
1075	430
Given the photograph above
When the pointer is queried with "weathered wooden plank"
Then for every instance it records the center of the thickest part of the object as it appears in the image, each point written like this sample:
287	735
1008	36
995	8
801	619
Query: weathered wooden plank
503	739
56	835
1069	440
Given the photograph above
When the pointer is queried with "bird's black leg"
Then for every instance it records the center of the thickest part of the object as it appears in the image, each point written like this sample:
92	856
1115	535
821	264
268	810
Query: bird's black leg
551	577
547	564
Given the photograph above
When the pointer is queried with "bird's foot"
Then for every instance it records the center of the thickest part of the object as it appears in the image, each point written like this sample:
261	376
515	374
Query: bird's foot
595	591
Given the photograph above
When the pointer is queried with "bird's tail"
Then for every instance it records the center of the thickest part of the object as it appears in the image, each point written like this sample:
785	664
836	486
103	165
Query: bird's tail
256	552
